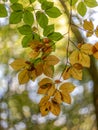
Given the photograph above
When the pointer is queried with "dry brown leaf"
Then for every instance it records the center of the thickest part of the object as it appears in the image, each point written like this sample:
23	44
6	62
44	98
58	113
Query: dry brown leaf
79	57
67	87
18	64
55	108
52	60
66	98
87	48
88	25
23	76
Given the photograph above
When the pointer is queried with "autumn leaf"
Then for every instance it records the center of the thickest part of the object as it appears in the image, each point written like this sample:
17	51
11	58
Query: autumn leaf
55	108
76	73
39	69
45	81
57	97
48	70
67	87
18	64
79	57
87	48
44	105
89	34
96	31
51	91
33	54
23	76
66	73
88	25
95	50
66	98
52	60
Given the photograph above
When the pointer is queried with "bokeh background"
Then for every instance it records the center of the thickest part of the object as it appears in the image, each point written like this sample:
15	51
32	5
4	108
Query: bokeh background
19	108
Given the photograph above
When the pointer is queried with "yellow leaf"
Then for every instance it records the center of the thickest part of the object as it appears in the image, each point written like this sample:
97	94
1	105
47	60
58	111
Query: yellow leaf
87	49
96	46
51	90
33	54
33	75
96	55
66	98
48	70
67	87
78	66
45	81
43	89
96	31
89	34
23	76
44	109
95	50
52	60
57	97
44	105
44	100
88	25
36	45
66	74
18	64
39	69
55	108
76	73
79	57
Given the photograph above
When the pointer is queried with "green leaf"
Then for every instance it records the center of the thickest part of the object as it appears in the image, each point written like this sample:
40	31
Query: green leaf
41	19
29	8
81	8
31	1
25	30
36	36
28	17
15	17
41	1
17	7
46	5
53	12
73	2
55	36
26	40
3	11
48	30
91	3
13	1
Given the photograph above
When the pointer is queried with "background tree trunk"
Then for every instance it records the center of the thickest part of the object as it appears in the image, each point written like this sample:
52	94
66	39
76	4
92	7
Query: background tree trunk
92	70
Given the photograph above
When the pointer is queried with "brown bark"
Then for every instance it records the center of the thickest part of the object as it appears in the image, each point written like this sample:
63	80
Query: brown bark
93	70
